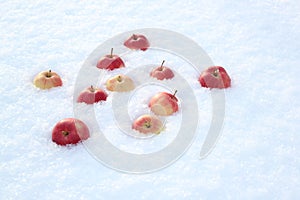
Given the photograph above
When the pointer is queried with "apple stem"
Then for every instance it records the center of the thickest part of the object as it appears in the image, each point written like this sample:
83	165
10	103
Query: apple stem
49	73
215	73
65	133
174	94
161	66
92	88
119	78
147	124
134	36
111	52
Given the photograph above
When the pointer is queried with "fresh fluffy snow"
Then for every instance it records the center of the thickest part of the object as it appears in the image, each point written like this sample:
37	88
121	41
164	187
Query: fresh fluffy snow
257	156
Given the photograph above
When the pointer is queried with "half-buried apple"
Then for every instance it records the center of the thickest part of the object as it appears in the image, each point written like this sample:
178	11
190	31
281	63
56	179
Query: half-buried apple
120	83
47	80
110	62
148	124
164	104
162	72
92	95
70	131
137	41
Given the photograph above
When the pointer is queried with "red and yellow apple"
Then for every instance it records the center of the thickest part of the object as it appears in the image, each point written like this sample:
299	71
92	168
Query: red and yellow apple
47	80
162	72
215	77
70	131
137	41
120	83
92	95
148	124
110	62
164	104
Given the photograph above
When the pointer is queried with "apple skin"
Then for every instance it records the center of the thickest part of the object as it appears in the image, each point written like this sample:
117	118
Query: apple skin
92	95
136	42
215	77
70	131
120	83
47	79
162	73
164	104
110	62
148	124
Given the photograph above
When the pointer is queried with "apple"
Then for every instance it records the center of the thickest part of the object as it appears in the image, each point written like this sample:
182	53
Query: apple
91	95
148	124
110	62
215	77
162	72
70	131
137	41
164	104
47	80
120	83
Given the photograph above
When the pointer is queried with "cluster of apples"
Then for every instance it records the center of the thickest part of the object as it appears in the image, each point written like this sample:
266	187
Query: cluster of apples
68	130
161	104
72	131
165	104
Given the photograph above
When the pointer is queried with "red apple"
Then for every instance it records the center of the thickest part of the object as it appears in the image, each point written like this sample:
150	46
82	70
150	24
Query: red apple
110	62
47	80
148	124
120	83
137	41
215	77
162	72
164	104
69	131
92	95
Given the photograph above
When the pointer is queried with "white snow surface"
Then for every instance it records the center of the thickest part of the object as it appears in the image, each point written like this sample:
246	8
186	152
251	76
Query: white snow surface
258	155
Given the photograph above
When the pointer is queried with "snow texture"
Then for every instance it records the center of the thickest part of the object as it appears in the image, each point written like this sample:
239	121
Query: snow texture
258	155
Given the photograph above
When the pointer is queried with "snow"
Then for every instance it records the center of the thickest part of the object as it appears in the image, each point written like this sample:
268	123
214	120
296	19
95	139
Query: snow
257	156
